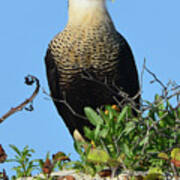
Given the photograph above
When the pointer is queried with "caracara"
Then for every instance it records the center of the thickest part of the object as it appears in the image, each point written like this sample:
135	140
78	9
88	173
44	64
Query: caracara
89	63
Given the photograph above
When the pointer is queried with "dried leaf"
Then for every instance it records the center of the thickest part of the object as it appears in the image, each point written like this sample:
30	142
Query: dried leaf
3	175
47	166
3	155
176	163
60	156
105	173
163	155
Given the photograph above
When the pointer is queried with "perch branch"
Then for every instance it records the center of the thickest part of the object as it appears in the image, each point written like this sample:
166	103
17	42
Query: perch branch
29	80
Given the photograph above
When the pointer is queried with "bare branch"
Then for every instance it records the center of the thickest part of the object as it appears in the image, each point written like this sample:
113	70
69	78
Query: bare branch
155	77
142	74
66	104
29	80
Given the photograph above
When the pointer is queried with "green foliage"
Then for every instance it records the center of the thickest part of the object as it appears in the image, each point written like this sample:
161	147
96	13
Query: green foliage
140	142
98	156
175	154
22	158
154	174
49	165
25	166
148	142
84	165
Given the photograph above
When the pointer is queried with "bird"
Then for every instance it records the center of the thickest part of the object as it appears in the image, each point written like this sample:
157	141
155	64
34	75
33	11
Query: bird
88	64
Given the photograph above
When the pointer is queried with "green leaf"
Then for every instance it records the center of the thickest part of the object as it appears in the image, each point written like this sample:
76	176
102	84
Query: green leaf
175	154
48	155
126	150
123	114
12	160
104	116
178	112
144	141
78	147
154	173
89	133
92	116
114	162
156	170
41	162
111	112
98	156
129	127
15	149
157	98
97	131
104	133
163	155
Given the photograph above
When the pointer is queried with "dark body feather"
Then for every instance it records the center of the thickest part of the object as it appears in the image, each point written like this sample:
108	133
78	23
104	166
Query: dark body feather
86	67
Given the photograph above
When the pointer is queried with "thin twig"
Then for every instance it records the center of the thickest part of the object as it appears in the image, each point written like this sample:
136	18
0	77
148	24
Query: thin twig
29	80
66	104
142	74
155	78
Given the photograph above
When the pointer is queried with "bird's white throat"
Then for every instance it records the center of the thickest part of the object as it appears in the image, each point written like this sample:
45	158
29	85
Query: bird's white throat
83	12
86	4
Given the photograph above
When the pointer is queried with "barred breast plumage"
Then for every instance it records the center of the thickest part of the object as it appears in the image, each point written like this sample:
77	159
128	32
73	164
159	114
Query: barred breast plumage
88	62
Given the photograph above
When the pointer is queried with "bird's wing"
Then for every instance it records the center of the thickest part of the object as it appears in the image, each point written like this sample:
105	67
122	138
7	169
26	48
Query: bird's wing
52	74
127	80
127	68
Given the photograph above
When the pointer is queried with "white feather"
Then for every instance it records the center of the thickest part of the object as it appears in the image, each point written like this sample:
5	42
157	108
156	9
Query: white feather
86	10
84	4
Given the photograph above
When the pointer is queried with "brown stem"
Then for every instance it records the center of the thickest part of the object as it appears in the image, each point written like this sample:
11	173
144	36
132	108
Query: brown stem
29	80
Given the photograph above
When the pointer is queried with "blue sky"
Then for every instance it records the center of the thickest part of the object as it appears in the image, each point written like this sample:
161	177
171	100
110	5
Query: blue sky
151	27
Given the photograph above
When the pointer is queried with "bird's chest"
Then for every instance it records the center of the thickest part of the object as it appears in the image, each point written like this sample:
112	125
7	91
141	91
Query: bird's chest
86	50
91	52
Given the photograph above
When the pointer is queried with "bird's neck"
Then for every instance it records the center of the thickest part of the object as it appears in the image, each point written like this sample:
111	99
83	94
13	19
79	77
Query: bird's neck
84	13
